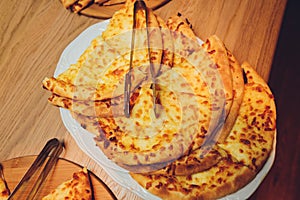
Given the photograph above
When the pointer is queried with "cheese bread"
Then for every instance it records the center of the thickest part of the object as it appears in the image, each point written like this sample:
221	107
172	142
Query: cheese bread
76	188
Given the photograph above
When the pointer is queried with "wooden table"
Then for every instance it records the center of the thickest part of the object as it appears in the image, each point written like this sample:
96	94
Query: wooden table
34	34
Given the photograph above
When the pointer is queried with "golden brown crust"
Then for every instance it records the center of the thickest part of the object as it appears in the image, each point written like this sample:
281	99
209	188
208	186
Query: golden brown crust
238	93
253	77
70	91
218	53
251	139
224	178
80	5
197	161
68	3
76	188
88	108
177	23
105	108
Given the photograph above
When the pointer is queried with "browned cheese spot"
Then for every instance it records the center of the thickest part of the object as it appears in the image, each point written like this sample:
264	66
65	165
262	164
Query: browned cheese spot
148	185
159	185
245	141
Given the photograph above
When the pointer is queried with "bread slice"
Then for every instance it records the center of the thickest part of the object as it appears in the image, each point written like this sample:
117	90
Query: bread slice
78	187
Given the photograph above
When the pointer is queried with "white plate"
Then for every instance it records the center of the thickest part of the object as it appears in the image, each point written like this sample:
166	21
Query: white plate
85	140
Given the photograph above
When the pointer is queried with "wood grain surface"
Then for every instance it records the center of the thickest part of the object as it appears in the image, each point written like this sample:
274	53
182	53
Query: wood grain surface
33	35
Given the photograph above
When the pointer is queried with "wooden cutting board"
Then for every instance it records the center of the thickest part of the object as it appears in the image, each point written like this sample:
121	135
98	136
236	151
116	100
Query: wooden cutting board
106	9
14	170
